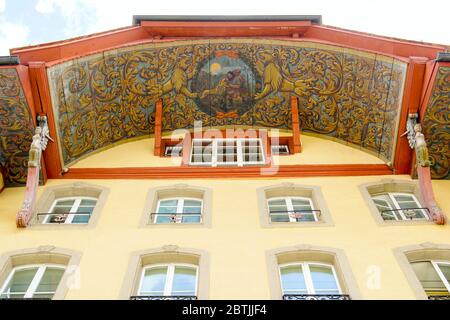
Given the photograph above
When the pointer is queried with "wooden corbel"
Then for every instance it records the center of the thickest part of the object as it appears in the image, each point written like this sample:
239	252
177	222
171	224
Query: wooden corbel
39	144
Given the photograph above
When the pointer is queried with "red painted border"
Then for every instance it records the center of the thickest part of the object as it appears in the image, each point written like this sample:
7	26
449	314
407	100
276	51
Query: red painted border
186	172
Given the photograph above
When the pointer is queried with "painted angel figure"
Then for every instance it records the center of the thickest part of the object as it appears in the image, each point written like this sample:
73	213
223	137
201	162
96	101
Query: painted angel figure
422	156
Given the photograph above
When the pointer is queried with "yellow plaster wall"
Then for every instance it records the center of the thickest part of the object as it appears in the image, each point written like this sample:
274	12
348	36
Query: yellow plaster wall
140	154
236	242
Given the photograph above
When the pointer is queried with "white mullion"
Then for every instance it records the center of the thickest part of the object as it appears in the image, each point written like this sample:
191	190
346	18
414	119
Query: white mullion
74	209
214	153
441	274
397	206
35	282
240	158
180	207
290	207
308	279
169	280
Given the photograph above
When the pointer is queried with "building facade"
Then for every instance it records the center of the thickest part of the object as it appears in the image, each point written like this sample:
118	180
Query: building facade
225	158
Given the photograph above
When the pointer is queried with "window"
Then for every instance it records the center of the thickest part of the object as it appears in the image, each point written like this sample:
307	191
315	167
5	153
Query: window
399	206
173	151
179	210
32	281
434	276
309	278
292	209
73	210
170	280
226	152
281	149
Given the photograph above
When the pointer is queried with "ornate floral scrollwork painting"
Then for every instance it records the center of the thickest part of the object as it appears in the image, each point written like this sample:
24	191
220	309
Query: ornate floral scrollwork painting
436	125
347	95
16	128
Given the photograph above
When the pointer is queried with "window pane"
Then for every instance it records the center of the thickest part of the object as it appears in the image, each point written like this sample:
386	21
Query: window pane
50	280
165	219
154	281
428	277
405	197
65	203
192	203
19	283
323	280
192	210
293	280
184	281
306	217
301	202
445	269
167	210
280	202
88	202
81	218
57	218
192	219
60	210
168	203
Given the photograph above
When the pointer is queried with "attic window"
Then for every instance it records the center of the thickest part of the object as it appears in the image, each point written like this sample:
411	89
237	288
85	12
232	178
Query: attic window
173	151
281	149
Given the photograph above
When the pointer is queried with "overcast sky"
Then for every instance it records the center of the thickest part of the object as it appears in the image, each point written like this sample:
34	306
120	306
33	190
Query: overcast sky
25	22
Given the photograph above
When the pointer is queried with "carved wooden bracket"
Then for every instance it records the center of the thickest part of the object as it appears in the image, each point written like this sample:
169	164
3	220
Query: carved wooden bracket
424	175
158	128
39	143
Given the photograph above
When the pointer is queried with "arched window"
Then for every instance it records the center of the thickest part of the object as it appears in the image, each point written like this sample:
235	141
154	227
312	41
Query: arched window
434	276
305	272
169	273
178	210
292	209
32	281
180	205
169	281
76	204
288	205
42	273
308	278
395	201
70	210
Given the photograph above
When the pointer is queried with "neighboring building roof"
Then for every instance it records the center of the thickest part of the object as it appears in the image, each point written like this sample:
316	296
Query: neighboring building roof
317	19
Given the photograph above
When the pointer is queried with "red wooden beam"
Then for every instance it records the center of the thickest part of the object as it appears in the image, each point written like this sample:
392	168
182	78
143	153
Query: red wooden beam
158	128
42	98
410	104
188	172
295	126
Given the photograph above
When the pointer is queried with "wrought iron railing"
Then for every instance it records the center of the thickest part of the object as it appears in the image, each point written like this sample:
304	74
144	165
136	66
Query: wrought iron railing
20	299
409	212
177	217
440	297
62	216
294	214
163	298
316	297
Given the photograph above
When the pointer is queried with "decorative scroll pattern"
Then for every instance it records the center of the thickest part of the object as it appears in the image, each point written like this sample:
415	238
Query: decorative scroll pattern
436	125
16	128
316	297
345	94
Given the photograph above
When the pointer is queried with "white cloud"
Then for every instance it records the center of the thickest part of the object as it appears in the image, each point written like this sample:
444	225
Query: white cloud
45	6
12	35
2	5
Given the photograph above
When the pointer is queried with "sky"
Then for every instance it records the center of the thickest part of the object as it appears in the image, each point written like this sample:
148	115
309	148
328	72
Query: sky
28	22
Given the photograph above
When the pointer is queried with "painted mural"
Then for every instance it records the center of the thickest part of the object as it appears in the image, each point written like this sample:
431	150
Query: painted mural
16	128
347	95
436	125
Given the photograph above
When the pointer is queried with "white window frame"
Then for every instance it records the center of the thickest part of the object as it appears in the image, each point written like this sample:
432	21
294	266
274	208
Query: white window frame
391	196
74	209
169	277
290	207
240	160
179	212
307	274
36	279
440	273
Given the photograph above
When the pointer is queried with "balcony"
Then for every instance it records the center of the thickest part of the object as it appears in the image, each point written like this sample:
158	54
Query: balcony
440	297
177	217
409	213
316	297
163	298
